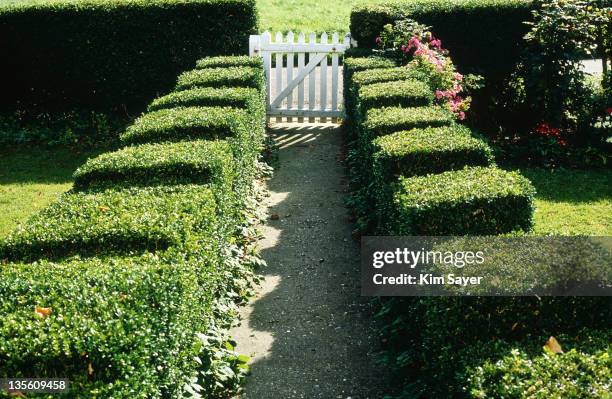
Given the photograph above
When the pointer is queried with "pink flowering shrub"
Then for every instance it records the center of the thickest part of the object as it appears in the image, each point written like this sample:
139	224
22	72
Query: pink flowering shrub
419	50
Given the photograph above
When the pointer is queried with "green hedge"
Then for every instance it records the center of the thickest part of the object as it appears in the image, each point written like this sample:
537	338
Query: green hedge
103	53
475	200
381	121
403	93
188	123
236	97
158	164
219	77
118	327
379	75
230	61
429	150
483	36
114	221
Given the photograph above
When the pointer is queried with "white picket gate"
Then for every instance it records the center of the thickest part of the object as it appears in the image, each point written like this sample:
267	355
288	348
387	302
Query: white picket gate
316	74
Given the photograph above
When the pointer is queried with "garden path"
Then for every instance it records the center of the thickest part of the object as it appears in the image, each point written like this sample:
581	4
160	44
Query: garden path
308	331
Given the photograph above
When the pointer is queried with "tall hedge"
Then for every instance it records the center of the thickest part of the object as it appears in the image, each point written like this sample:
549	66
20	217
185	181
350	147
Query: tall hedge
483	36
104	53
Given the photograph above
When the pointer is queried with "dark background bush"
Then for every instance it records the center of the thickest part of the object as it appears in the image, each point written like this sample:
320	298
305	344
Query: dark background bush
483	36
100	54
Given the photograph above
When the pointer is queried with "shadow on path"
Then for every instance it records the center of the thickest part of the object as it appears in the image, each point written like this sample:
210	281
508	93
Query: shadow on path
308	331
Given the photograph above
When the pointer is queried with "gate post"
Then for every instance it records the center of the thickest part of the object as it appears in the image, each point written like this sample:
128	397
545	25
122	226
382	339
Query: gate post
254	45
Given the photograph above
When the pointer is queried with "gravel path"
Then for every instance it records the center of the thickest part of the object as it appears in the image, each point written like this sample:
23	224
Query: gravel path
308	331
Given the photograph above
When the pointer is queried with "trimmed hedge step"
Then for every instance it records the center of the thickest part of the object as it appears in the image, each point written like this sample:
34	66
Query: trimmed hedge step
380	75
352	65
224	61
189	123
156	164
132	320
382	121
236	97
429	150
114	221
475	200
220	77
405	93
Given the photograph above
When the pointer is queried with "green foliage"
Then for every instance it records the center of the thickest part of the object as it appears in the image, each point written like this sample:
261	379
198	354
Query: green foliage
119	327
573	374
379	75
381	121
112	52
483	36
403	93
158	164
218	77
179	124
428	150
475	200
236	97
230	61
115	221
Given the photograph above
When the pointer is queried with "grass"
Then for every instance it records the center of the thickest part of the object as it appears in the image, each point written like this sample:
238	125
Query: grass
571	202
31	177
306	16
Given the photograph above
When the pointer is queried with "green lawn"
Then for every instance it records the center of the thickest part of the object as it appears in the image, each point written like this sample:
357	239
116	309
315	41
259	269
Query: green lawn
307	16
572	202
31	177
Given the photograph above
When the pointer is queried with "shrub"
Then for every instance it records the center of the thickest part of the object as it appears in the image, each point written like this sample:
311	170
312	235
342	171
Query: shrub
113	221
484	36
380	75
474	200
405	93
229	61
112	52
120	327
236	97
352	65
573	374
381	121
219	77
159	164
190	123
429	150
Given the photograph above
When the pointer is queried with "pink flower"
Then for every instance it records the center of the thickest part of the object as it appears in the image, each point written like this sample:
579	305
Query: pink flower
609	110
378	40
458	77
461	116
436	43
439	94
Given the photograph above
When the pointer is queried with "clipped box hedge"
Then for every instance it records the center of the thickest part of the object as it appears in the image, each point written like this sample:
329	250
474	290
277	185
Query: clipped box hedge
381	121
475	200
403	93
236	97
188	123
105	53
429	150
229	61
114	221
120	327
484	36
159	164
222	77
379	75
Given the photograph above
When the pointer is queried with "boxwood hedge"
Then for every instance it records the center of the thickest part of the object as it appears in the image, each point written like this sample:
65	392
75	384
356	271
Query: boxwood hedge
379	75
403	93
381	121
159	164
229	61
121	327
188	123
475	200
103	53
219	77
120	221
429	150
236	97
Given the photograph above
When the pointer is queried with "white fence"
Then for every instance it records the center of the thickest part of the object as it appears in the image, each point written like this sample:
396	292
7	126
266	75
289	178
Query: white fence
321	81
